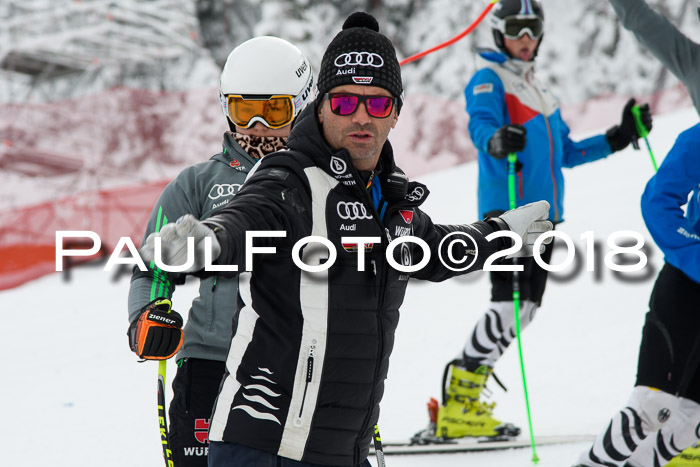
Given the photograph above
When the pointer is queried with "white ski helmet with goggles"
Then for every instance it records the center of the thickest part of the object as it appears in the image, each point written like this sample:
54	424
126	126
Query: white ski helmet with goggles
265	79
513	18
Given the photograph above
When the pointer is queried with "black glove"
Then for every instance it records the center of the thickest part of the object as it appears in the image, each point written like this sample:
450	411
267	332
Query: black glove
157	333
507	139
625	133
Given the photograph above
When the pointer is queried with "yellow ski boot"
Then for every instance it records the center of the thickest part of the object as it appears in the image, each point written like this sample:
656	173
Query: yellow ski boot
463	414
690	457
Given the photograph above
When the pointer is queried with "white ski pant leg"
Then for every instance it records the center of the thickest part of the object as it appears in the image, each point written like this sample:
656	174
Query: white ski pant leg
494	332
646	412
681	431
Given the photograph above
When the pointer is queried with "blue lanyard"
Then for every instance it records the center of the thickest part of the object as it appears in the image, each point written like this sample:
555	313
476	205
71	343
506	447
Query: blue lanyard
376	193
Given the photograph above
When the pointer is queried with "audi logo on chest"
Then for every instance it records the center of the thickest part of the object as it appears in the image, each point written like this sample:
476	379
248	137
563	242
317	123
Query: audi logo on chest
352	211
359	59
223	190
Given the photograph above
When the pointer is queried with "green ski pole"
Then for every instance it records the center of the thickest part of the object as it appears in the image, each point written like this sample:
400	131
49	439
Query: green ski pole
159	283
643	132
512	160
162	420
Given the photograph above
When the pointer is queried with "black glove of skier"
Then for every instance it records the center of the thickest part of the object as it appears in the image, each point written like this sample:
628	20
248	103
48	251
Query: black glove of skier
623	134
157	333
507	139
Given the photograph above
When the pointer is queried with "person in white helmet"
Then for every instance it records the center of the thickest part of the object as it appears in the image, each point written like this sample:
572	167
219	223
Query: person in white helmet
264	85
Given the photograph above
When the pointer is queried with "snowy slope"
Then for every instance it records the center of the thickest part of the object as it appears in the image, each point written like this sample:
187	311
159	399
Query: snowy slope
74	395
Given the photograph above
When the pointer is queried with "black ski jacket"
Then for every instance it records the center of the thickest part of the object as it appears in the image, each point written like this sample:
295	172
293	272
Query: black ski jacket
307	364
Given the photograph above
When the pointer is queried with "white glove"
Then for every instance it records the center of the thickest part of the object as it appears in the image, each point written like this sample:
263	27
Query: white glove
529	222
173	247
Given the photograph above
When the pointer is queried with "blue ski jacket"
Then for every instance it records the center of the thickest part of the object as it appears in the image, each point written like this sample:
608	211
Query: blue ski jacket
504	91
676	233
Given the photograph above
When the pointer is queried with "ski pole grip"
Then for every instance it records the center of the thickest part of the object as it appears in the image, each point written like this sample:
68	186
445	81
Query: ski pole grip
641	129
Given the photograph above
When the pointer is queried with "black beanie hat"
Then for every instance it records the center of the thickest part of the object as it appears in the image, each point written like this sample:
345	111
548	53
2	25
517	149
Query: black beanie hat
360	55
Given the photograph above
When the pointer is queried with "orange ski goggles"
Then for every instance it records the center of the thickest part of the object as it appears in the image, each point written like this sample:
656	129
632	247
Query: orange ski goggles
273	111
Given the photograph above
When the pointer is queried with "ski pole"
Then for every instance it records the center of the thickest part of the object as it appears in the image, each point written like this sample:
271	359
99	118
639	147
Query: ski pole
156	289
378	449
512	160
454	39
162	421
643	132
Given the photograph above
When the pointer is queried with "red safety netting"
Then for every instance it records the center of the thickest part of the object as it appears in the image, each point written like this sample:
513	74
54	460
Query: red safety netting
28	235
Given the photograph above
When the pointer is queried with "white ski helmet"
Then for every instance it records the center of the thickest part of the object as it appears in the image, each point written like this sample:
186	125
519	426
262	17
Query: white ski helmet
266	66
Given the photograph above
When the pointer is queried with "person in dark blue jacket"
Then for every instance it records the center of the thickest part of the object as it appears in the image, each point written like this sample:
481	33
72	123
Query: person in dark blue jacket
662	416
510	111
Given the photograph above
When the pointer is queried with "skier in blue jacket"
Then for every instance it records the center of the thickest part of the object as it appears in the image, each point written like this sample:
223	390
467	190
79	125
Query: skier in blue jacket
662	415
510	111
655	392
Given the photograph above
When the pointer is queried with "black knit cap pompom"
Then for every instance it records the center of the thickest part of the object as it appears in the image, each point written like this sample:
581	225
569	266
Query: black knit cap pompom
360	55
360	19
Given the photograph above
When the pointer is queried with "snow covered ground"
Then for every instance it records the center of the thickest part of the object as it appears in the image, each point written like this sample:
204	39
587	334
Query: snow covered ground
74	395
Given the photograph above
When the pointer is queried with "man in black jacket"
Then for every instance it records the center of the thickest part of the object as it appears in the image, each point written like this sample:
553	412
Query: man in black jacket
306	368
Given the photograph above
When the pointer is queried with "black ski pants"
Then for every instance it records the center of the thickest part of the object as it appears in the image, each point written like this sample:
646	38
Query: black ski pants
532	280
195	388
669	355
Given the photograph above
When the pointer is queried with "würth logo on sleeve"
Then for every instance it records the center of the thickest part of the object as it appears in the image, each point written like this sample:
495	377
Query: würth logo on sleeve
407	216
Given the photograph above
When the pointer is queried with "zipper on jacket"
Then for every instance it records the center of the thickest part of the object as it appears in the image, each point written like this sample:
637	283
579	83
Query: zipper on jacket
551	145
380	340
309	377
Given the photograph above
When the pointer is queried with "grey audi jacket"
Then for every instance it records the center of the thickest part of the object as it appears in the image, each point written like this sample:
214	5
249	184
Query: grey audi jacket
201	190
670	46
306	369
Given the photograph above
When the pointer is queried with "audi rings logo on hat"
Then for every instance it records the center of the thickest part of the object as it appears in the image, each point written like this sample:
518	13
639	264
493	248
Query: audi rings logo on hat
352	211
359	59
223	190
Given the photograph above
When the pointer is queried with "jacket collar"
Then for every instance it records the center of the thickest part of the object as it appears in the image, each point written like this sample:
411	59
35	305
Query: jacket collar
488	58
234	155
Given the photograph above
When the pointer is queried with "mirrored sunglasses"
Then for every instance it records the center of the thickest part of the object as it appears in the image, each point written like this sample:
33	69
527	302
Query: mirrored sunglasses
272	111
344	104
